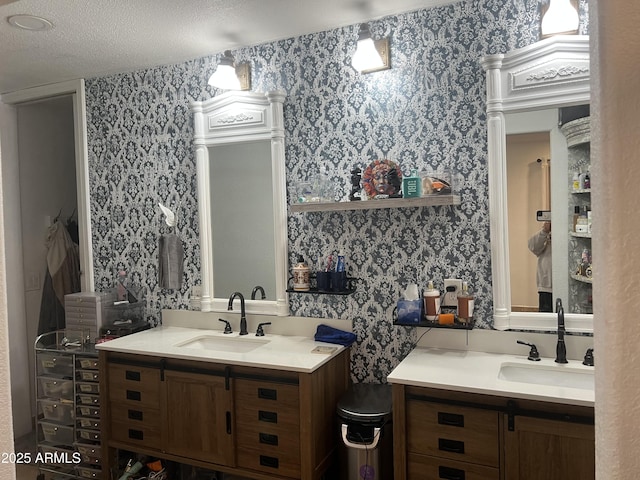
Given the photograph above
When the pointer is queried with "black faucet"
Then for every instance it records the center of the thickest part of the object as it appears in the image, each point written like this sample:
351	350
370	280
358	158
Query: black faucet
561	349
243	316
255	290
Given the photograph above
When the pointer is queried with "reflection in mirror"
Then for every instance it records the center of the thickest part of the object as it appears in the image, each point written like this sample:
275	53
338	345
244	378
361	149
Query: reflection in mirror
239	139
536	156
242	218
534	81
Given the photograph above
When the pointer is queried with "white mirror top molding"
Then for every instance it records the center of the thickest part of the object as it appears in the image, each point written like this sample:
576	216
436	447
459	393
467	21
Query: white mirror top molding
235	117
551	73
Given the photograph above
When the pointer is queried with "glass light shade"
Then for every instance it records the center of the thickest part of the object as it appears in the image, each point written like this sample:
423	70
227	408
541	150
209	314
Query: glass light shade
225	77
366	56
560	17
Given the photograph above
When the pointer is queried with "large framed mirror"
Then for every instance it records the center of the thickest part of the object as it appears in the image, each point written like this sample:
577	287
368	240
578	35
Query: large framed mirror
239	141
526	90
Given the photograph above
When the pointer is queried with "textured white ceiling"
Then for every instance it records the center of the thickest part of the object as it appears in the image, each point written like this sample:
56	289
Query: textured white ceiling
99	37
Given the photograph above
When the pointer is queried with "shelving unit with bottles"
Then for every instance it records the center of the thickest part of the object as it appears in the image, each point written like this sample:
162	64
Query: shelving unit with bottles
578	135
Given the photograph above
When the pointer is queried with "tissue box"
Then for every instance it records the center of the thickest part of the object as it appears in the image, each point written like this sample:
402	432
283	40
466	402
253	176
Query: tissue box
410	312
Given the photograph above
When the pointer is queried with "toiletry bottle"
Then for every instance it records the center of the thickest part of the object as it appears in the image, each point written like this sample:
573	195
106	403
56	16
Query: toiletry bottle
576	181
431	302
465	304
301	281
587	180
576	215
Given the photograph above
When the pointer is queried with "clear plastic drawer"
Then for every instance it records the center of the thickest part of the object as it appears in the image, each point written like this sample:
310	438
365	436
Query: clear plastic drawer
61	412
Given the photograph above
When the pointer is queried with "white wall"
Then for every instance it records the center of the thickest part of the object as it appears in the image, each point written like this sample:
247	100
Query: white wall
7	142
17	328
615	151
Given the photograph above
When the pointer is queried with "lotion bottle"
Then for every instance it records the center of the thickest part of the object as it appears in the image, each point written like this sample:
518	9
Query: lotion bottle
431	302
465	304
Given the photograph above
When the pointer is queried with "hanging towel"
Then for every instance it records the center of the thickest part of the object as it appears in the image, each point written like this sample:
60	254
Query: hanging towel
325	333
170	257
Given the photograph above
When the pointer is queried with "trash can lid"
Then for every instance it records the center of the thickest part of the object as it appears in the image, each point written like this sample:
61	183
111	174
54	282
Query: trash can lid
366	403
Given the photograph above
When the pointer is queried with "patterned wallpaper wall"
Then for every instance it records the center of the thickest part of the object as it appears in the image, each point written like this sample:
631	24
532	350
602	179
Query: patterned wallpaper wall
427	112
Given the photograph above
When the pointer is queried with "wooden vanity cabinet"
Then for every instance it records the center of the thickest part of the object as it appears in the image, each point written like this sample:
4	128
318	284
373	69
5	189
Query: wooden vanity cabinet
440	434
543	449
255	422
198	420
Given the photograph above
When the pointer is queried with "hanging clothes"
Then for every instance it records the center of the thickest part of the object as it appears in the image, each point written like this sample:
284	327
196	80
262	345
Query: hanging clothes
62	277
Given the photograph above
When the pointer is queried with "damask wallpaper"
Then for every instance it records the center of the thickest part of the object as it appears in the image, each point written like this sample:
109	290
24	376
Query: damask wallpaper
426	112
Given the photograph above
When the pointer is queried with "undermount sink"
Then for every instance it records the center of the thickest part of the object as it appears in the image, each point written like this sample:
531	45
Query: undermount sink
555	376
223	344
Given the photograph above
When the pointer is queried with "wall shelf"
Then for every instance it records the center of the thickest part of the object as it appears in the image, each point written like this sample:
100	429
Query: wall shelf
580	235
430	201
428	324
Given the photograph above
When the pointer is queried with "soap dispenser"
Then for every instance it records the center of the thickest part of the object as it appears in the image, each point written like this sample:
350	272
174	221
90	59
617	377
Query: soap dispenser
431	302
301	282
465	304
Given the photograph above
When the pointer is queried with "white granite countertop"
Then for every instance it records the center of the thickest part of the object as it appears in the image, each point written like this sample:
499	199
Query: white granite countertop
280	352
479	372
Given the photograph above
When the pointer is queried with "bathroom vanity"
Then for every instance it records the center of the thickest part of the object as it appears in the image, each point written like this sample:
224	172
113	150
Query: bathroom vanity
480	416
262	408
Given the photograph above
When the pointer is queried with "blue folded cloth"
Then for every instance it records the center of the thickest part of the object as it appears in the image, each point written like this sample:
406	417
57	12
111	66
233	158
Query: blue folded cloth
325	333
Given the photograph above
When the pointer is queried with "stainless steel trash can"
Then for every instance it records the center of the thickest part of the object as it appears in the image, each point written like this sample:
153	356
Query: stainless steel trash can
365	417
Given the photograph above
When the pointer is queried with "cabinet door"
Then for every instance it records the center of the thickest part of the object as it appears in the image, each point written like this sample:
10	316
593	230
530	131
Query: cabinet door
540	449
198	417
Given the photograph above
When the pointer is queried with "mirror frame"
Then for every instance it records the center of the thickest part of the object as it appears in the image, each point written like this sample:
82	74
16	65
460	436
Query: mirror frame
551	73
235	117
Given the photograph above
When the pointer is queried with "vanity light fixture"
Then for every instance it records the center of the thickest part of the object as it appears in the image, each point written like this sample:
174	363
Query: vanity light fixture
229	76
371	55
559	17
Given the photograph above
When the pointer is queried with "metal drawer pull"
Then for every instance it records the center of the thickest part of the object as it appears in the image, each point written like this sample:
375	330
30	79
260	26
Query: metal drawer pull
270	417
268	439
134	415
451	419
267	393
269	461
133	395
132	375
453	446
136	434
449	473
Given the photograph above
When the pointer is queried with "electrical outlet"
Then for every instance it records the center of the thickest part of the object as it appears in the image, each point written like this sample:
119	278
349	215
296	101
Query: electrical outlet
452	286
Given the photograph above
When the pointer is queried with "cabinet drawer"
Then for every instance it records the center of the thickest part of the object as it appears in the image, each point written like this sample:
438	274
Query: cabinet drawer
134	385
270	460
91	423
136	433
87	363
55	364
88	375
88	400
457	433
262	404
88	435
88	411
271	440
61	412
55	388
424	467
